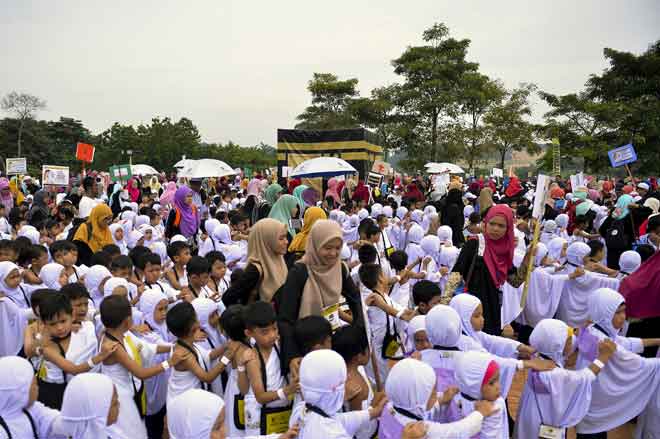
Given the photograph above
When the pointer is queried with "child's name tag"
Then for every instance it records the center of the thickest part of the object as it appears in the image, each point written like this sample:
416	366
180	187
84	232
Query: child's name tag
548	432
331	314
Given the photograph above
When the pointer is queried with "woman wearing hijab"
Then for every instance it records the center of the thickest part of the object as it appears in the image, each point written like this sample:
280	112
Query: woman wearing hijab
618	230
297	193
361	194
333	191
559	398
39	212
310	197
629	385
271	195
452	214
485	263
133	190
485	201
266	270
21	415
184	217
90	405
96	231
167	198
284	210
315	286
116	204
6	197
299	243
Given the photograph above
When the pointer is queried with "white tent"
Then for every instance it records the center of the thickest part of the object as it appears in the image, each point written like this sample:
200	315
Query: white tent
322	167
205	168
143	170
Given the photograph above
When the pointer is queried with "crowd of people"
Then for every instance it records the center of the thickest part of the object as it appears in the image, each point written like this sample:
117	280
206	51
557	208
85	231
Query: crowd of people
245	308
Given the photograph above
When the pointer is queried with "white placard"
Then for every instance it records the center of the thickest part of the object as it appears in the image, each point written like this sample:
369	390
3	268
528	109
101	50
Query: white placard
577	181
542	183
497	172
16	166
55	175
286	170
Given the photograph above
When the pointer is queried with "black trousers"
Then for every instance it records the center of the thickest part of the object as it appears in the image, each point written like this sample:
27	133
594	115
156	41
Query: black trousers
156	424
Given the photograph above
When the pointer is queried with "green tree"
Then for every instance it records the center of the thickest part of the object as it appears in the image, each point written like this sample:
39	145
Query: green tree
507	124
433	74
479	94
25	107
331	99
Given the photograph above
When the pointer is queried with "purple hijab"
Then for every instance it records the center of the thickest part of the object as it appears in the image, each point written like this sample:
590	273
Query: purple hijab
189	218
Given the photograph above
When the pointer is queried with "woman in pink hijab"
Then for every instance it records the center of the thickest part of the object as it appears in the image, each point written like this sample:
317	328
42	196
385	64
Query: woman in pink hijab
332	190
6	197
168	195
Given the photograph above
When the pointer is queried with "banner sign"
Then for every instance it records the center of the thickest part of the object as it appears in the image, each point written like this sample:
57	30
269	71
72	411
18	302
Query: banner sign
374	180
577	181
497	172
55	175
16	166
542	184
85	152
622	155
120	173
382	168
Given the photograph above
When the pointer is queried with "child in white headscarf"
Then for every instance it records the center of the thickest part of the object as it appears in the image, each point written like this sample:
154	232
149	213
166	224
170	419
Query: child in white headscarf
558	398
412	393
118	237
629	384
629	262
322	379
90	405
208	313
22	415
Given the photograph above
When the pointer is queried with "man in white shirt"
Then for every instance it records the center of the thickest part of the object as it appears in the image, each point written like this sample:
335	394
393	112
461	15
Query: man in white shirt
88	200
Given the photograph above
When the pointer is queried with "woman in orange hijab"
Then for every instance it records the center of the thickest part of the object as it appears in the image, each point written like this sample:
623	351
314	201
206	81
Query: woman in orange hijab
96	232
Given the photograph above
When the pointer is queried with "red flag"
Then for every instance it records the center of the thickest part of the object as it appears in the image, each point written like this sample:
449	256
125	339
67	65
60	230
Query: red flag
85	152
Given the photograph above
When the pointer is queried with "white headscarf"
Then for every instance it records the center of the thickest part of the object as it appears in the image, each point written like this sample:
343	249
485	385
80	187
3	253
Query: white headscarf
417	216
561	221
602	305
549	338
149	300
409	385
629	261
445	234
31	233
470	370
549	226
376	209
178	238
443	326
467	211
93	279
121	244
204	308
211	225
15	294
448	257
465	305
388	211
322	380
222	234
192	414
15	381
431	246
363	214
350	229
555	247
141	220
50	275
576	252
401	212
86	405
415	325
160	249
541	252
112	283
133	237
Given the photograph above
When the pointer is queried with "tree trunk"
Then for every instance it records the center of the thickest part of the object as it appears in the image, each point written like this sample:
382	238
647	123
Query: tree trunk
434	136
502	155
20	137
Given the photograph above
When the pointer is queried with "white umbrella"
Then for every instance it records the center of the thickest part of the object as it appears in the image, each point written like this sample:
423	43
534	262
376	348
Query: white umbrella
142	170
322	167
206	168
184	163
443	168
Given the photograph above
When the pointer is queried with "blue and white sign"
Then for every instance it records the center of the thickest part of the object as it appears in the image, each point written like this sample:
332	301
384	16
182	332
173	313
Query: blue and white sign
622	155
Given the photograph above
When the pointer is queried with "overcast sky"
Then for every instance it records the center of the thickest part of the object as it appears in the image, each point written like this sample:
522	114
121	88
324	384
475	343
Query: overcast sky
239	69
